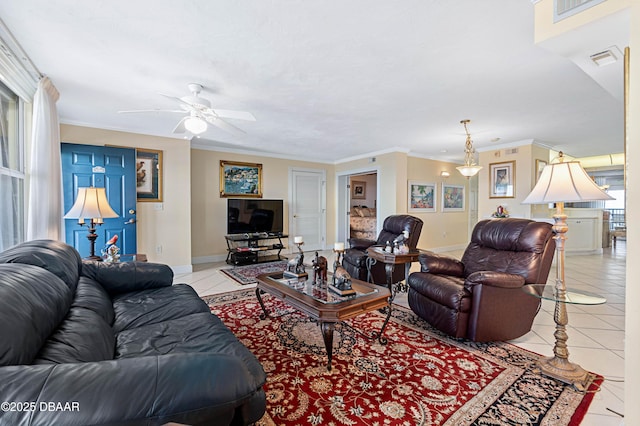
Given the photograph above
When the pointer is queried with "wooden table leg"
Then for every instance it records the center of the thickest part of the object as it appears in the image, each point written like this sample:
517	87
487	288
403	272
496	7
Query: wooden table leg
327	335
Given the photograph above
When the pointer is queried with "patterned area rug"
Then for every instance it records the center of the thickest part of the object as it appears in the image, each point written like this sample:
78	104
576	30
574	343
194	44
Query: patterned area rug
421	377
247	274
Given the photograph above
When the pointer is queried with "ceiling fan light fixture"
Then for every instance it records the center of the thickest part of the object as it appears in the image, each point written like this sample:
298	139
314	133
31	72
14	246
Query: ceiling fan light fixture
195	125
470	168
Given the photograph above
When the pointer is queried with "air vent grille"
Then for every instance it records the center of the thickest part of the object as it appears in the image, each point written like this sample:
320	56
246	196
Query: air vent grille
565	8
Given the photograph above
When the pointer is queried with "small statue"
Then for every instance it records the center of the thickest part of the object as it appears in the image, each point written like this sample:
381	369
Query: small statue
400	243
111	252
295	267
319	268
341	282
388	248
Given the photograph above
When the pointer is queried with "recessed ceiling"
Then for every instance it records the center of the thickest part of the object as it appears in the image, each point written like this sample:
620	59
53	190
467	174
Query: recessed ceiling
326	80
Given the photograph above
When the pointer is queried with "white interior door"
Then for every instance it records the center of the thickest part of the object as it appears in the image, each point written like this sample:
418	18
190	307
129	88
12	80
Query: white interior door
307	207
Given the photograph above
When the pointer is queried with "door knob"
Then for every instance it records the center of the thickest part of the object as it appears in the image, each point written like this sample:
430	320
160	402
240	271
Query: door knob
130	221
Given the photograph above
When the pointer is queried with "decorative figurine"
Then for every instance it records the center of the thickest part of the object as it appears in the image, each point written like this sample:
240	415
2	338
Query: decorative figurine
111	252
400	243
319	268
341	282
295	267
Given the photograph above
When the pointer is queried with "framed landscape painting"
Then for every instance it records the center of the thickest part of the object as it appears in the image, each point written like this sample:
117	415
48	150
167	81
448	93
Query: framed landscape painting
452	198
502	180
240	179
148	175
422	196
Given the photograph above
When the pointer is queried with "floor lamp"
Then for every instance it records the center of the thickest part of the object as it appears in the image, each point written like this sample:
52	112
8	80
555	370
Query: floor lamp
91	203
559	183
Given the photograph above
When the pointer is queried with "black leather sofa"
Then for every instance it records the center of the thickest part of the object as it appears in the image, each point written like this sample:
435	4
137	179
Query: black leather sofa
115	344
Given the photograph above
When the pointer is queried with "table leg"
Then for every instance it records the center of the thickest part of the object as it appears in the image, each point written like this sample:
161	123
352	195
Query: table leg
264	313
389	268
327	335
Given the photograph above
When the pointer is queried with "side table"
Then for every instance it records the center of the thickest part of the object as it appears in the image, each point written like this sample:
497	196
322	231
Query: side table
377	254
558	366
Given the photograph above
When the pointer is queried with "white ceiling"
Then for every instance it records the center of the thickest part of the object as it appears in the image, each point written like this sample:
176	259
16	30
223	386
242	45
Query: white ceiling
326	80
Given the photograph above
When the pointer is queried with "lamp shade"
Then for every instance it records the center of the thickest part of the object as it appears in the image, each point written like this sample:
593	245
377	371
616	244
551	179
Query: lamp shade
469	170
91	203
195	125
565	182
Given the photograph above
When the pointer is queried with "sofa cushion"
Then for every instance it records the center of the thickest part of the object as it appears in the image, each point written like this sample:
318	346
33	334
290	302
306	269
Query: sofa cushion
196	333
83	336
90	295
33	302
156	305
59	258
124	277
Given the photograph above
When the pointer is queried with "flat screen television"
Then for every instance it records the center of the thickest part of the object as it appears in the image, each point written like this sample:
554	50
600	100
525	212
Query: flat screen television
250	215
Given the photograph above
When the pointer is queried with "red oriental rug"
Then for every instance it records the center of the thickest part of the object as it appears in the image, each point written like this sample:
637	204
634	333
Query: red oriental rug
421	377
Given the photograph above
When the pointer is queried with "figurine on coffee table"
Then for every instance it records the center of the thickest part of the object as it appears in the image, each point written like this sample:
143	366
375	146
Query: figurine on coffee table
295	267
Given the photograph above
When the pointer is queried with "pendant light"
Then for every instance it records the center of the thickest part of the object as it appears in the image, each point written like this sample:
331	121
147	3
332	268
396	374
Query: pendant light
470	168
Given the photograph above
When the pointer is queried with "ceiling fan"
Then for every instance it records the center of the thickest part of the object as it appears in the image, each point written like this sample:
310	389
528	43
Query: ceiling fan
200	114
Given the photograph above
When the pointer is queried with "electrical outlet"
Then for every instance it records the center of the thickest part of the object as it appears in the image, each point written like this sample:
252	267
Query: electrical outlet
159	249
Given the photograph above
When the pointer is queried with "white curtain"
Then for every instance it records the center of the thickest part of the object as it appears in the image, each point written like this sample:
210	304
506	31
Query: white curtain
44	218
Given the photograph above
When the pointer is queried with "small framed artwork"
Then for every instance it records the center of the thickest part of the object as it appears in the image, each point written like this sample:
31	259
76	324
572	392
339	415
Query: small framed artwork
502	182
452	198
422	196
148	175
540	165
240	179
358	190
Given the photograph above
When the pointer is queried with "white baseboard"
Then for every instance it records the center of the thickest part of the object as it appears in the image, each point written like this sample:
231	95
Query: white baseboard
182	269
209	259
448	248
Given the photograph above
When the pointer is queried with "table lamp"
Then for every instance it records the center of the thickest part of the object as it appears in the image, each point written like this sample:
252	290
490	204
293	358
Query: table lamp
559	183
91	203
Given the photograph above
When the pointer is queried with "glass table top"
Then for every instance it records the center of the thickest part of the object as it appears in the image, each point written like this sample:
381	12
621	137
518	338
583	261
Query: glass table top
319	290
572	297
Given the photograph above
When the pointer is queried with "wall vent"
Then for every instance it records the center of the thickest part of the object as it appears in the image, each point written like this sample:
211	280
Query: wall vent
565	8
511	151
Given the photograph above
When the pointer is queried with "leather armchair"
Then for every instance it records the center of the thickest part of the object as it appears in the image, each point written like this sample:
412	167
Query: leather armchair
480	297
355	258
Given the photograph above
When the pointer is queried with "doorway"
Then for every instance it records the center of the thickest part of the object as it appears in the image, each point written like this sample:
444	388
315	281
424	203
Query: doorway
308	207
358	200
103	167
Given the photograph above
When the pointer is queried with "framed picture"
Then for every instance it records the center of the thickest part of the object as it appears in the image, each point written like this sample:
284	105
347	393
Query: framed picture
502	182
240	179
422	196
540	165
358	190
452	198
148	175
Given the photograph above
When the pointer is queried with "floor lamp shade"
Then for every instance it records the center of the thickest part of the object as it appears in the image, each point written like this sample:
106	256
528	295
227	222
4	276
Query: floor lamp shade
91	203
565	182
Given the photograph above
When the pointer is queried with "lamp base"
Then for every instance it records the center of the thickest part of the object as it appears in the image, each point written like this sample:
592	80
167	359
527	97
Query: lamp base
565	371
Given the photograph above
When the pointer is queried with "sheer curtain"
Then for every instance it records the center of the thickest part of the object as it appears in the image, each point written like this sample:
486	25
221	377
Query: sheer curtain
44	219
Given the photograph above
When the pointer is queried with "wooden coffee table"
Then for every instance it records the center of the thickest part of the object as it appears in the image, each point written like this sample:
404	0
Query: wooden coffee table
326	307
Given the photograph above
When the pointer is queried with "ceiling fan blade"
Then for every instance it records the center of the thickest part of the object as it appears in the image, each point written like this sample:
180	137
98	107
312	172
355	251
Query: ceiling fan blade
238	115
134	111
219	122
180	126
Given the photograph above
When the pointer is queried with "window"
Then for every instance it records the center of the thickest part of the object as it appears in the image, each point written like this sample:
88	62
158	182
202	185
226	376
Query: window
12	177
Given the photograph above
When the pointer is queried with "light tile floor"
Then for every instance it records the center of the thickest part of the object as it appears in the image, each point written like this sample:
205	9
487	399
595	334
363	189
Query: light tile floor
596	333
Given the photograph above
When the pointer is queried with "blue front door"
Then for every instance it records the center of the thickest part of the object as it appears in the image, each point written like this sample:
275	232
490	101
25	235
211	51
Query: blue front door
102	167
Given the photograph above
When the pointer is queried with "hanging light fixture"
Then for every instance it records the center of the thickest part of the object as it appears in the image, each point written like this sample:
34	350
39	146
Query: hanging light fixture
195	124
470	167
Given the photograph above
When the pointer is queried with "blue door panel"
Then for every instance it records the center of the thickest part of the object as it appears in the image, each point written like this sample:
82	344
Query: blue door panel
103	167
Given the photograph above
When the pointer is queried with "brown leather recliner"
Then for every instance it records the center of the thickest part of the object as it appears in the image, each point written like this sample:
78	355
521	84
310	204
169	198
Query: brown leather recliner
355	257
480	297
